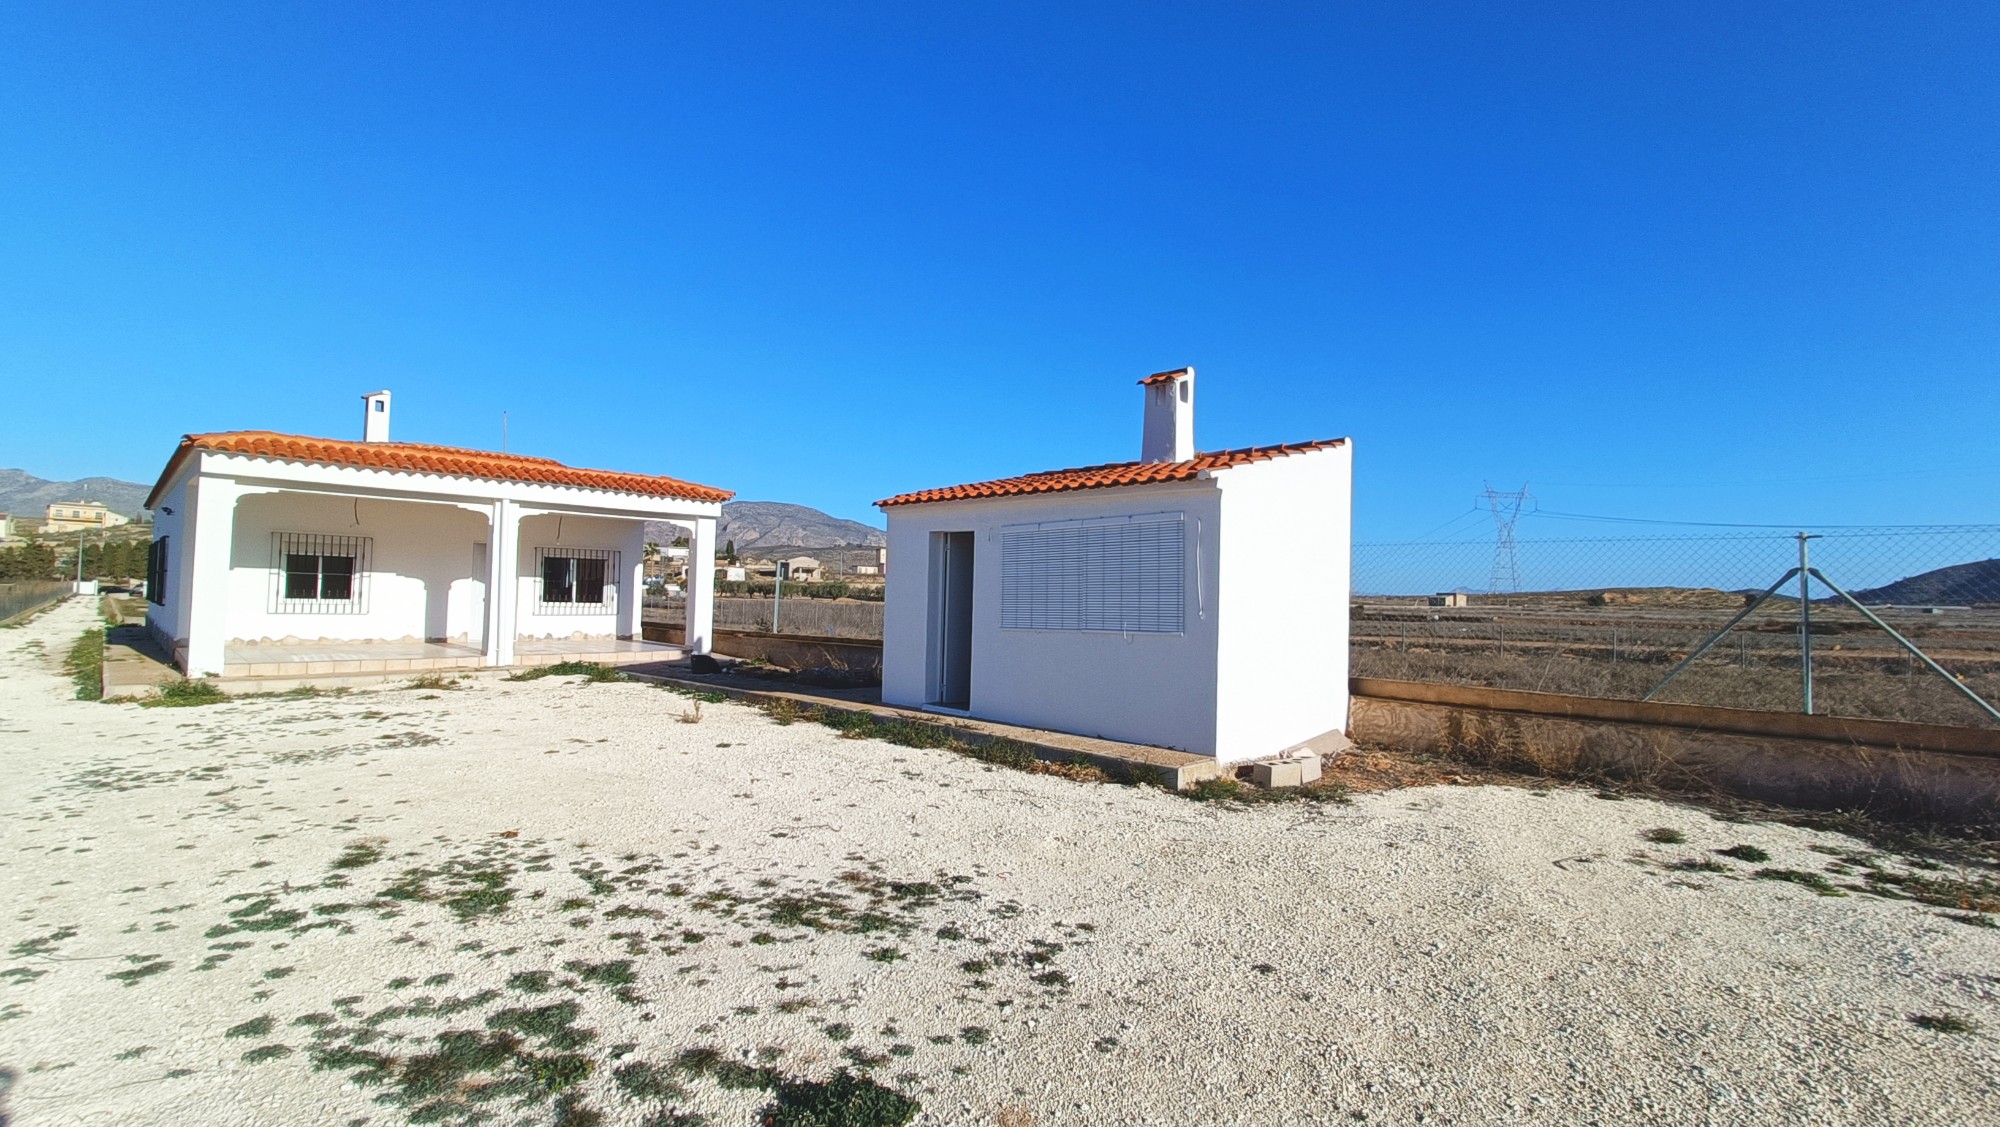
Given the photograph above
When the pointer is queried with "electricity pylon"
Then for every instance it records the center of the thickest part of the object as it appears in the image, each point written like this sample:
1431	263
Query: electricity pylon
1506	510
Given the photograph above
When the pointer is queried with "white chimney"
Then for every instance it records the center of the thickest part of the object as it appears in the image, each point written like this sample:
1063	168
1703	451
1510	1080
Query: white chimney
375	424
1169	435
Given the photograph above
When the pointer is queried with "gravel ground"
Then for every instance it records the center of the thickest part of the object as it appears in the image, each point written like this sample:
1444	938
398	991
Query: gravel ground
266	911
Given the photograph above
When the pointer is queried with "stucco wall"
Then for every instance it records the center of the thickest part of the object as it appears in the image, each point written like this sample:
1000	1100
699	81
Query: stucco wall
1284	602
626	537
1141	688
424	576
167	622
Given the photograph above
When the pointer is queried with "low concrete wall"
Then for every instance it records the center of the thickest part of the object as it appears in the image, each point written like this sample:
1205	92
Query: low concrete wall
793	651
1911	771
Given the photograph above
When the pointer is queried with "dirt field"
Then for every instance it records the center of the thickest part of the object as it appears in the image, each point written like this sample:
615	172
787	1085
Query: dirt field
1562	643
556	901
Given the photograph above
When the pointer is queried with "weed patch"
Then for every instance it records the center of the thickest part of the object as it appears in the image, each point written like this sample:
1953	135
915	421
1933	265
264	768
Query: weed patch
184	693
1944	1023
1748	853
1814	881
590	671
842	1100
85	664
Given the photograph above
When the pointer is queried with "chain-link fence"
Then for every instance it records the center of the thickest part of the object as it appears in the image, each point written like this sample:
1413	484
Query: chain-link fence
1610	617
822	618
22	597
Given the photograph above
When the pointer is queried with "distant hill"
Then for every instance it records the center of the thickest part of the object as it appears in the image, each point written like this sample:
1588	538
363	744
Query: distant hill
1957	585
758	526
754	523
23	494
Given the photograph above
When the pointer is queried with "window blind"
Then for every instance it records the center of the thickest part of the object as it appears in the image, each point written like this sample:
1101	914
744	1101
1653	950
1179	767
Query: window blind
1122	575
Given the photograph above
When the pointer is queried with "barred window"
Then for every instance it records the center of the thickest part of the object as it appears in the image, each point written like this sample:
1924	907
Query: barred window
576	580
319	574
1112	575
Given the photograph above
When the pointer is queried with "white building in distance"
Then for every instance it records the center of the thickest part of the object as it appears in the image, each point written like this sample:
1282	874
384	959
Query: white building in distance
1132	601
277	553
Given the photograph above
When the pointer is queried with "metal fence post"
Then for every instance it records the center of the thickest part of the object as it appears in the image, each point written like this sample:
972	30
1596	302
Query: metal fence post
1805	625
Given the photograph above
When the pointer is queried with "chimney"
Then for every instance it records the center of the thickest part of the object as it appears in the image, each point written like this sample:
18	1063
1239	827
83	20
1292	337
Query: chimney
375	424
1169	434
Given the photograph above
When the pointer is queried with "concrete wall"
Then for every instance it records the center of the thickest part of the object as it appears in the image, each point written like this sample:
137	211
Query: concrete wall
1140	688
1811	762
1283	648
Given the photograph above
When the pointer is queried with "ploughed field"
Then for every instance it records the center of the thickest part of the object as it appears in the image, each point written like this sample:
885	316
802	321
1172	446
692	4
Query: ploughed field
572	901
1561	643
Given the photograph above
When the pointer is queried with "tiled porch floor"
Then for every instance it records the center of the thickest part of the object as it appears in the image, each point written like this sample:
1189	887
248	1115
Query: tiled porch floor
330	658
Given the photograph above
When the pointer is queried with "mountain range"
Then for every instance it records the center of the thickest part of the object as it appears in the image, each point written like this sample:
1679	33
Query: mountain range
1957	585
25	495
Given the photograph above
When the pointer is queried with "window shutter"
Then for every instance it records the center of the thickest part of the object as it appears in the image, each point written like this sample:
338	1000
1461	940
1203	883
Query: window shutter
1123	575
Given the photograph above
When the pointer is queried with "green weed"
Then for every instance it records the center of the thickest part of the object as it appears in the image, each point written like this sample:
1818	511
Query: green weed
184	693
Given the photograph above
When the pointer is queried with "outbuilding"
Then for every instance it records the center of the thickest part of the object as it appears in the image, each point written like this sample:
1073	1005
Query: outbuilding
285	555
1131	600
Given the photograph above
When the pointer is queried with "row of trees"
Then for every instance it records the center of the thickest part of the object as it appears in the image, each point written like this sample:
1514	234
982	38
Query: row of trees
120	559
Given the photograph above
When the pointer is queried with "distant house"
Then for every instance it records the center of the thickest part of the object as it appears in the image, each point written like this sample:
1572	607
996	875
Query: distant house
1449	599
804	569
6	527
734	574
80	516
1131	601
277	554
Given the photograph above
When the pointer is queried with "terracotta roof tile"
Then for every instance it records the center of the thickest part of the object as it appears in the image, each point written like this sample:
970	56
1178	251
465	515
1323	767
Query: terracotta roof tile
1166	377
445	461
1108	476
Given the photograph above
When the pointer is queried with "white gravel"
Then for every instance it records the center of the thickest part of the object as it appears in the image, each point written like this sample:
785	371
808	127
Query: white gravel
1444	955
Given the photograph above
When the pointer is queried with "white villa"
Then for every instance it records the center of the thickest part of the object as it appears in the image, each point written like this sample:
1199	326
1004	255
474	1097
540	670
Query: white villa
1130	601
277	555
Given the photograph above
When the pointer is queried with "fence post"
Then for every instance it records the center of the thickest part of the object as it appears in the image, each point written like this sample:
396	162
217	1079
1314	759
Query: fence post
1805	625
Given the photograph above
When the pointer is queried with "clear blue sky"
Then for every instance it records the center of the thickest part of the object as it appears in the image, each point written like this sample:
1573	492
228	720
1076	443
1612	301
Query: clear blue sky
1720	261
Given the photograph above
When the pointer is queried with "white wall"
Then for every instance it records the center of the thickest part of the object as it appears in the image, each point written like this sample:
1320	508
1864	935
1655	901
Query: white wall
424	579
166	621
1283	657
1140	688
627	537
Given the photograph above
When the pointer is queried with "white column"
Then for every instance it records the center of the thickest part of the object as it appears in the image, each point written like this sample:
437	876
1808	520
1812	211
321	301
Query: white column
632	585
701	587
503	583
210	528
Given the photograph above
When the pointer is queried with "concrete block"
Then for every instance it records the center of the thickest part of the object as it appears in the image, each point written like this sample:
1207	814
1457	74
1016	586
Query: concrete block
1291	772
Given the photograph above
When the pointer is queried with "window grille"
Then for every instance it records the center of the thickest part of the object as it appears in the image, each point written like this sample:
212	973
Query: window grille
577	580
1115	575
156	572
312	573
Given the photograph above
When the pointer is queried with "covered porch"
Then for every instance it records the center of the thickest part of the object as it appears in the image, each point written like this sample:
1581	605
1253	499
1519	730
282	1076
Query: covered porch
295	579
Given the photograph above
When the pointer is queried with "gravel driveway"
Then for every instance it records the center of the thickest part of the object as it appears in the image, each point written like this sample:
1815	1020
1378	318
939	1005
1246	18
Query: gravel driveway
618	910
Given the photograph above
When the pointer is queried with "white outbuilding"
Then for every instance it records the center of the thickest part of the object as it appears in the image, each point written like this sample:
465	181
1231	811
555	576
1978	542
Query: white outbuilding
1133	601
282	555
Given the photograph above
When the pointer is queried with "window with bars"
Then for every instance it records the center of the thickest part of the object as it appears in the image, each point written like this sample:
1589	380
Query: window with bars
319	574
156	572
577	580
1123	575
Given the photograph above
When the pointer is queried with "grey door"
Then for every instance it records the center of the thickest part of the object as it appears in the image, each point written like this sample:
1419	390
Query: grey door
951	619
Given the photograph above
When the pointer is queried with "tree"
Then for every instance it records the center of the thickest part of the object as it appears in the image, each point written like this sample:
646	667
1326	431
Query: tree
729	551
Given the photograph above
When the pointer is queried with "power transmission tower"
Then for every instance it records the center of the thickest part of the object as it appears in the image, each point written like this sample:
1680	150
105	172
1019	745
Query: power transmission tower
1506	510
